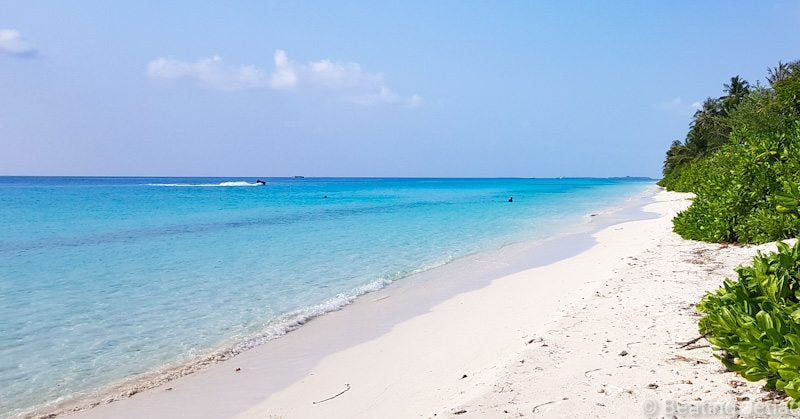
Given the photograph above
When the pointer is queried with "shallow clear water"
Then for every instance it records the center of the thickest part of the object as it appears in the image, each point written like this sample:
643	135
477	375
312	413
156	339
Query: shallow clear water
105	278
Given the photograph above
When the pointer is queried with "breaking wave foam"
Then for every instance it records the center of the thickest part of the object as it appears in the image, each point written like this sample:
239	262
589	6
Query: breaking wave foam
276	328
205	185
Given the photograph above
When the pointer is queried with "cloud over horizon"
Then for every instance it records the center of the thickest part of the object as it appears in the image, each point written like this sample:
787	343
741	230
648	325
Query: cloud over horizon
211	71
12	43
679	106
345	80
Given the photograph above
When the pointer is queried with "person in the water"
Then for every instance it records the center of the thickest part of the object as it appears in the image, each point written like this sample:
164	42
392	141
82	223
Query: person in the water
510	199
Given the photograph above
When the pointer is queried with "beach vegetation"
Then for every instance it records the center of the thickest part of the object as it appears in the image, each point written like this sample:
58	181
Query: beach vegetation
741	158
753	323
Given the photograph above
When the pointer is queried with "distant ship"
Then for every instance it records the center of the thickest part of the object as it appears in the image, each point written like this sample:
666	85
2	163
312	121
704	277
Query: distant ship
299	177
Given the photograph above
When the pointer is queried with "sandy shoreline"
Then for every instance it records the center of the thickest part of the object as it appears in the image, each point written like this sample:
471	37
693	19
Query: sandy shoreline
594	334
370	316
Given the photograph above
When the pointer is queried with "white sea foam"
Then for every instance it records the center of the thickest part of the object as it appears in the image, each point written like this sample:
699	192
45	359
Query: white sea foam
205	185
291	321
274	329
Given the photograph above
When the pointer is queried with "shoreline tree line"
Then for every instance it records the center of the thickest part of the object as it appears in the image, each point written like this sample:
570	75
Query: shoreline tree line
741	159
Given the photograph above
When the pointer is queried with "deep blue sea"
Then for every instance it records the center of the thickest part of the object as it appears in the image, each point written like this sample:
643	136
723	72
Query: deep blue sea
102	279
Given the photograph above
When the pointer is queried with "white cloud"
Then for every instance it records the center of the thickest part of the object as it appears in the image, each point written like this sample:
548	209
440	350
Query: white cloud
679	106
285	75
11	43
347	81
333	75
209	71
386	95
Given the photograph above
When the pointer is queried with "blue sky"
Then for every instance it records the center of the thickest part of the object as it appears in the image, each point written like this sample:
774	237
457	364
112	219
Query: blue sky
444	88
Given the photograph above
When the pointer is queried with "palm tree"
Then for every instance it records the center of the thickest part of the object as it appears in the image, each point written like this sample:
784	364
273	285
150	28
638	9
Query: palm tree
737	87
677	155
707	131
736	90
781	72
707	113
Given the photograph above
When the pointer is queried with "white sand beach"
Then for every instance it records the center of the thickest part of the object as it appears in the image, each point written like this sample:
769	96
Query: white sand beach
598	334
411	209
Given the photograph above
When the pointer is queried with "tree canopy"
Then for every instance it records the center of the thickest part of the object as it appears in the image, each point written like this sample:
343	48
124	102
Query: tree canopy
741	157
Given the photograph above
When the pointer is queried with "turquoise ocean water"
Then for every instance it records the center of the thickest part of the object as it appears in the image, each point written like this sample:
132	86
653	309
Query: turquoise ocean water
102	279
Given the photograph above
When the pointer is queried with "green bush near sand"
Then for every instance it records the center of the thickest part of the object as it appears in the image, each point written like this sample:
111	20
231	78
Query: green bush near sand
740	189
754	323
741	158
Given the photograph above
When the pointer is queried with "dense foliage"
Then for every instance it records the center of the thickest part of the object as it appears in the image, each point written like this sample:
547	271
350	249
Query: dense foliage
741	157
754	323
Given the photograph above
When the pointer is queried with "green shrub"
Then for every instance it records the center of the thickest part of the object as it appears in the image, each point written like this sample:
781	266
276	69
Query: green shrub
747	190
753	324
747	183
764	224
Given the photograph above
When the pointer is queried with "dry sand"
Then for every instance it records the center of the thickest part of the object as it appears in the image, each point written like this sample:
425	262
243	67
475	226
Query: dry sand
595	335
598	334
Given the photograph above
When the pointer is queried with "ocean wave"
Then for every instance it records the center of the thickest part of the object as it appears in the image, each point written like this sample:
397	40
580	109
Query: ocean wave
205	185
274	329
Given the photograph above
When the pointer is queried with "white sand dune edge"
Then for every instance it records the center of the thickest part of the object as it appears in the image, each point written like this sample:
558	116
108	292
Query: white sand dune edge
594	335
